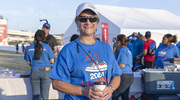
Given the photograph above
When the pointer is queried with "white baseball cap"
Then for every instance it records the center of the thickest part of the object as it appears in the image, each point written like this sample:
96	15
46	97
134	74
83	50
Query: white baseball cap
85	6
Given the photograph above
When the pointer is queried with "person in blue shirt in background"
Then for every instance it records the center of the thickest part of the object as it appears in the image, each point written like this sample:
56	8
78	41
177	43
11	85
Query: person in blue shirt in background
166	51
178	45
138	49
130	45
133	37
124	59
39	57
84	61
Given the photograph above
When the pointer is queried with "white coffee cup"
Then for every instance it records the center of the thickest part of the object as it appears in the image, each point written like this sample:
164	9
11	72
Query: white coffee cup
100	85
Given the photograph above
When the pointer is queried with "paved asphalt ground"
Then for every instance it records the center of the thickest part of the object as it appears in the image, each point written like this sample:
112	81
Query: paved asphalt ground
13	61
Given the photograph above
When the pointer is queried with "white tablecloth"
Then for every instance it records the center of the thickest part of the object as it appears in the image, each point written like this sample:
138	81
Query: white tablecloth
137	84
20	88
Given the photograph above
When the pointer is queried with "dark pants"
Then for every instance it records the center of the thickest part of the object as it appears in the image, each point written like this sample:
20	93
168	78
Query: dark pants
123	89
134	62
147	64
40	83
124	95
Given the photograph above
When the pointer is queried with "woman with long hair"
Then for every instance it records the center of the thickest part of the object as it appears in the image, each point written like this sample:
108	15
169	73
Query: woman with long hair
166	51
39	57
124	59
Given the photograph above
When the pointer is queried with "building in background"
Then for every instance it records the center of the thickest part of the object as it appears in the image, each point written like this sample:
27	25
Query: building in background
22	36
59	38
14	37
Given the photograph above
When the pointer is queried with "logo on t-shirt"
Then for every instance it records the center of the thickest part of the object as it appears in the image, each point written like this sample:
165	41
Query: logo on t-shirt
96	70
44	49
162	53
96	66
31	49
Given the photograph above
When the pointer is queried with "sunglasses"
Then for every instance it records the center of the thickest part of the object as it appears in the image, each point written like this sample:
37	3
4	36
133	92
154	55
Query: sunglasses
84	19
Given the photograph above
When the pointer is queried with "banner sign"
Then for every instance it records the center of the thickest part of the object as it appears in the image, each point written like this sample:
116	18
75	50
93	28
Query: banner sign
105	32
3	31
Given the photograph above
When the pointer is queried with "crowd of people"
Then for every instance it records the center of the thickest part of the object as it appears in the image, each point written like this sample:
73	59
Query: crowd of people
143	55
86	60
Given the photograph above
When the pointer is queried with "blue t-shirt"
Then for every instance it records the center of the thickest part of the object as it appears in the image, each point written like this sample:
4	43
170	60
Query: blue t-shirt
44	61
178	45
138	48
165	53
130	47
133	39
74	66
124	56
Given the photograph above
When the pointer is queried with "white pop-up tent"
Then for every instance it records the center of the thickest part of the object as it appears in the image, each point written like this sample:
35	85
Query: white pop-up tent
123	20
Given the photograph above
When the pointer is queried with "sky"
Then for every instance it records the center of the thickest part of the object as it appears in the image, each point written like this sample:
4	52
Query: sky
25	14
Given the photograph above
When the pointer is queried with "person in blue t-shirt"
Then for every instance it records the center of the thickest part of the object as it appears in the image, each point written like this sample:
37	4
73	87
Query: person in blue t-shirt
166	51
130	45
39	57
133	37
85	61
178	45
138	49
124	59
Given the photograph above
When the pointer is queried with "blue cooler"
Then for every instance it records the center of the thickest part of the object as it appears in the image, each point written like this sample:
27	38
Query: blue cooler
166	97
158	81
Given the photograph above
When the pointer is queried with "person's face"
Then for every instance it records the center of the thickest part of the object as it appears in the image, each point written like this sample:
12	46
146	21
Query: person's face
135	34
144	39
46	30
87	28
118	44
114	40
165	41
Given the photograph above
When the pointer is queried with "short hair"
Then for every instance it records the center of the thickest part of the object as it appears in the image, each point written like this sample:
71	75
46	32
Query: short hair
148	34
